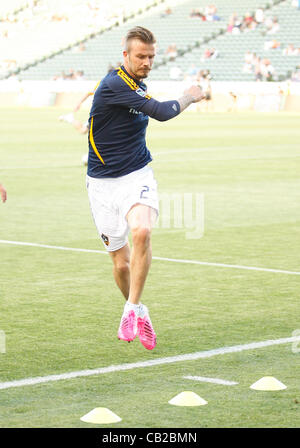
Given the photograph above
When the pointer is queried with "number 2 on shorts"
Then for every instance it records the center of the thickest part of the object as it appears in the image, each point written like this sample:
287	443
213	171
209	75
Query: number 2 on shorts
145	190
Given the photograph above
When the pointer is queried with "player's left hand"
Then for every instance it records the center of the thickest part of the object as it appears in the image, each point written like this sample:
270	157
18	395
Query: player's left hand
196	92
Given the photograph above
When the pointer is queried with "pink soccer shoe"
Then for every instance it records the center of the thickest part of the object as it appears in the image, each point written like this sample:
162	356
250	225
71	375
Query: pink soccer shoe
128	326
145	331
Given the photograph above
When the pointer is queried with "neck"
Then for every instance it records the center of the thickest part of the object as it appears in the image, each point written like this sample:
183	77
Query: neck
130	73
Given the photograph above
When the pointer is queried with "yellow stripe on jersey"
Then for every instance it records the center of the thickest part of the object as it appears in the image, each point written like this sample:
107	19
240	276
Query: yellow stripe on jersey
95	88
132	84
93	142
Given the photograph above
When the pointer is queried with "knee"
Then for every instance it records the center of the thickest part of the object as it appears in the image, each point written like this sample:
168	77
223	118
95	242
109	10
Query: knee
141	236
122	267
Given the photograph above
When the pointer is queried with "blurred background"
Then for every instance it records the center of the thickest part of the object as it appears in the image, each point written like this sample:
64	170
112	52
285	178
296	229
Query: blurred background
246	54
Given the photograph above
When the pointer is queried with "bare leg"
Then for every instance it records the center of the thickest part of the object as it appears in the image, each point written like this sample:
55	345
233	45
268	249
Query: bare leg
140	219
135	319
121	271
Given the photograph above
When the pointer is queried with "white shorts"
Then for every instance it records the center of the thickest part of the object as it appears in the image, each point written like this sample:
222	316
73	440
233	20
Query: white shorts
112	198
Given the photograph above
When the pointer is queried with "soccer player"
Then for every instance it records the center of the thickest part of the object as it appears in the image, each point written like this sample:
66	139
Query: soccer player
121	187
82	128
3	193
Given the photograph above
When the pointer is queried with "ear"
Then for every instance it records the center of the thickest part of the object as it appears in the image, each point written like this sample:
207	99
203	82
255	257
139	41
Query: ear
125	54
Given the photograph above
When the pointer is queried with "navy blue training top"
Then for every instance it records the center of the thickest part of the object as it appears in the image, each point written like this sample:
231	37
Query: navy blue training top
118	120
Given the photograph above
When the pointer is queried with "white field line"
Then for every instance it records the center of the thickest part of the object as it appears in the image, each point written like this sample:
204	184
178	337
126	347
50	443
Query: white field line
150	363
225	265
47	246
210	380
172	260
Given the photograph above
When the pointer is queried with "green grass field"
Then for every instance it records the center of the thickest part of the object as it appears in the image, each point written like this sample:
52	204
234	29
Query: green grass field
60	310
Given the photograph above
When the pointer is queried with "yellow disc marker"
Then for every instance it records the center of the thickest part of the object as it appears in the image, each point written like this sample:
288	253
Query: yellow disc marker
187	398
100	416
268	383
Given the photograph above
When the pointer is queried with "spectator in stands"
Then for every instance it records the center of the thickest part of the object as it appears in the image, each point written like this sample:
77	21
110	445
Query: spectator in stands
3	193
71	75
210	13
166	12
257	71
295	77
257	68
259	16
248	22
196	13
206	54
252	64
249	57
267	70
248	62
271	44
230	26
255	59
79	48
191	73
79	75
234	25
272	25
209	53
268	23
171	52
290	50
214	53
57	77
247	68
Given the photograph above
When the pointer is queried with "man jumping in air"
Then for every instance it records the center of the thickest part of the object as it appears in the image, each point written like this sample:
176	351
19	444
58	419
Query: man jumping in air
121	187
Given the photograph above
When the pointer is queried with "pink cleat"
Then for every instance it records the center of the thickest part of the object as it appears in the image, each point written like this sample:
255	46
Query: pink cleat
145	331
128	326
